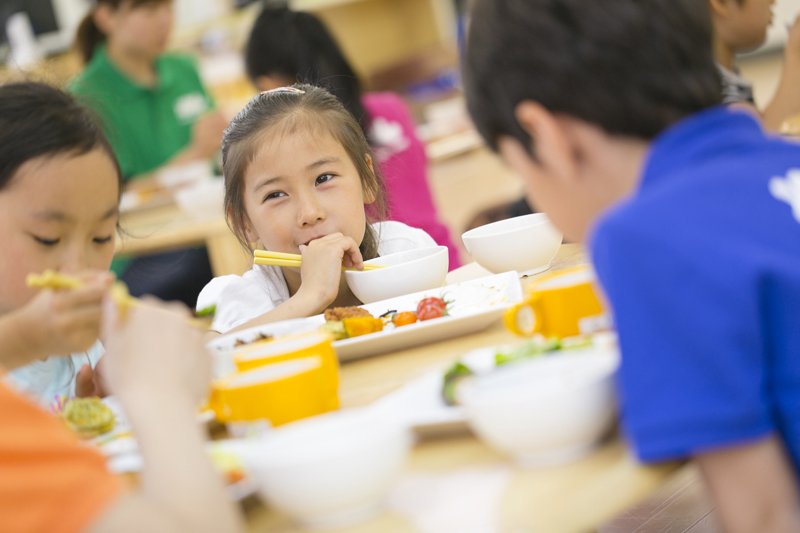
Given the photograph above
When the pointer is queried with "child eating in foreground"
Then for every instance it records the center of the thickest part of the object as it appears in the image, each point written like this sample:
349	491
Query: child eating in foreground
298	173
610	111
59	191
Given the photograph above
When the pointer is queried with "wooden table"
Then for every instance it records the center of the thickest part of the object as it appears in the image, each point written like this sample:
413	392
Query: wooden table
159	229
480	483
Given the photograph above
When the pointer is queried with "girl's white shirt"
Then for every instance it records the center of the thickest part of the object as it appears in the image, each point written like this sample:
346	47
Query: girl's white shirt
262	288
46	380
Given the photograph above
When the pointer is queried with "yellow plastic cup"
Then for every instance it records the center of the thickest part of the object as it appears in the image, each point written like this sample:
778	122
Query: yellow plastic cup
558	305
298	346
280	392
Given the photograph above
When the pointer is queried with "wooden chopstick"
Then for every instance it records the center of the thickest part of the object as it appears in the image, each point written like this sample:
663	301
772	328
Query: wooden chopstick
268	257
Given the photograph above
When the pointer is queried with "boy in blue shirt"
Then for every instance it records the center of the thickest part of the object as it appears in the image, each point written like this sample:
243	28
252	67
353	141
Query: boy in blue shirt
610	111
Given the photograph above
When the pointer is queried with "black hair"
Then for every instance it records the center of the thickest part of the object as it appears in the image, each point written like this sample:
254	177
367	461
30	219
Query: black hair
37	120
630	67
291	108
89	36
299	47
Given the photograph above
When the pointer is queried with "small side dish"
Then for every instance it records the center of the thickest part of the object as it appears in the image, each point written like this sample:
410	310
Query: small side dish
88	417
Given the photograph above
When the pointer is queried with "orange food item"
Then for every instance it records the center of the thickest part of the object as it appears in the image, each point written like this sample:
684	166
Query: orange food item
404	318
362	325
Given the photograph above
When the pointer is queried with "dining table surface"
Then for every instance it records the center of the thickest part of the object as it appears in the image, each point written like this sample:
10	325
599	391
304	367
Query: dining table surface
454	482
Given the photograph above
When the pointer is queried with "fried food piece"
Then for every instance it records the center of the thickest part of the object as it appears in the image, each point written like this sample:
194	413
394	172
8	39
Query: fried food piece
88	417
56	281
333	314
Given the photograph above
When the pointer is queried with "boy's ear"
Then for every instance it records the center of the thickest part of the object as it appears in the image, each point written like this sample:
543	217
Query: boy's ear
552	143
719	8
103	17
370	195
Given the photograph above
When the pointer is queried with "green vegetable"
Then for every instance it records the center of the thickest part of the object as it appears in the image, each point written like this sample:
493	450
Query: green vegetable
452	377
207	311
336	329
527	350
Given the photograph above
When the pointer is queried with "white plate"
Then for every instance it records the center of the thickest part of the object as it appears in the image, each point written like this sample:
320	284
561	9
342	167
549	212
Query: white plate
474	306
122	451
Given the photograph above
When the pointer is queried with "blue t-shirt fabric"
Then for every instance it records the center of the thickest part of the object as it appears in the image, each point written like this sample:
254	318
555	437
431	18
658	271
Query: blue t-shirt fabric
701	265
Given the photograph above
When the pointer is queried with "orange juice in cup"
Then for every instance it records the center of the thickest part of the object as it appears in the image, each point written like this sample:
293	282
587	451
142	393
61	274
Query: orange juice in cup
280	392
561	304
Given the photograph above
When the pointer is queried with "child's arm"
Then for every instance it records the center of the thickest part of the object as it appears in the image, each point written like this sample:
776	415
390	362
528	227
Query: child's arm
158	367
54	323
786	101
321	279
753	487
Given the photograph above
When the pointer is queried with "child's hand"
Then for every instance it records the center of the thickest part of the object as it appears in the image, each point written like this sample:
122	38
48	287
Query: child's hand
89	381
321	270
67	321
154	353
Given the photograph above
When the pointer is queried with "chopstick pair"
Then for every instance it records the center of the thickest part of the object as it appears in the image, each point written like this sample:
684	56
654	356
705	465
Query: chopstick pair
267	257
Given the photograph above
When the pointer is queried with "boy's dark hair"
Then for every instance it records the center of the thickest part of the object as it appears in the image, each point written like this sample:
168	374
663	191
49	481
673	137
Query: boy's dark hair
37	120
89	36
630	67
298	46
283	111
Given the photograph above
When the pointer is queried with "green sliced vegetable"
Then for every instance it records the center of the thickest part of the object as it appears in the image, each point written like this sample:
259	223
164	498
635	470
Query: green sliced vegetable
452	377
206	311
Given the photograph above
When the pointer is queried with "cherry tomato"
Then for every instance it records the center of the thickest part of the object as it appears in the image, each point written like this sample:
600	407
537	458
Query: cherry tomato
431	307
404	318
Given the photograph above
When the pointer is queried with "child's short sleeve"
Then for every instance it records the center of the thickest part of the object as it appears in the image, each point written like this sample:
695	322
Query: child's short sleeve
693	375
48	480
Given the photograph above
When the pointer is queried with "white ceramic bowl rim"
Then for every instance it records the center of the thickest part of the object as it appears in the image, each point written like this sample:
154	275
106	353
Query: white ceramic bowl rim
423	254
324	438
515	383
508	225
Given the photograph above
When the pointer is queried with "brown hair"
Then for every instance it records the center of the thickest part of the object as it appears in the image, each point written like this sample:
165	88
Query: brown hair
300	102
89	35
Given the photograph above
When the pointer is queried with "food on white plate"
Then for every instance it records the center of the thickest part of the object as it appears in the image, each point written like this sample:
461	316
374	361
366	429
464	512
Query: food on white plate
88	417
531	349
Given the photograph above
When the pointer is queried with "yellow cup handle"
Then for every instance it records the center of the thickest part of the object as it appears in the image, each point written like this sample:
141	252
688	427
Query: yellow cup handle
524	319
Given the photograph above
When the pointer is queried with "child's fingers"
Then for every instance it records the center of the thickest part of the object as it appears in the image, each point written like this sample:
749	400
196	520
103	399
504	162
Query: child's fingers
352	257
87	296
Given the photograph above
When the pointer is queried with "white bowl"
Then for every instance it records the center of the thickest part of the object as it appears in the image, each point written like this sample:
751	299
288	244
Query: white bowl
333	470
204	199
526	244
546	411
405	272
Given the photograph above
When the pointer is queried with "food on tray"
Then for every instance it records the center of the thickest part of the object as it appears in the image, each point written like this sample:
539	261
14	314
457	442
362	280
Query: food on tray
361	325
431	307
404	318
346	322
531	349
339	313
88	417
